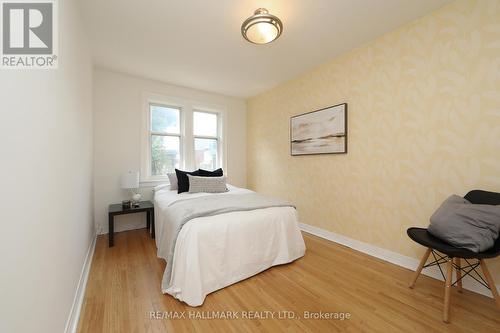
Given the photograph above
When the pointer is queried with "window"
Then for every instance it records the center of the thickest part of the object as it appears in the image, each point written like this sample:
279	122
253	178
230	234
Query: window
165	139
180	133
206	140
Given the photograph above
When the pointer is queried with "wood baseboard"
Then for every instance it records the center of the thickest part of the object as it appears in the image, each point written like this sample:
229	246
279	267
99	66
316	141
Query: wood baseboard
390	256
74	314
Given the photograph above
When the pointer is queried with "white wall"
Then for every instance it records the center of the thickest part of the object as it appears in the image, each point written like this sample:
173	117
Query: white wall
118	107
46	178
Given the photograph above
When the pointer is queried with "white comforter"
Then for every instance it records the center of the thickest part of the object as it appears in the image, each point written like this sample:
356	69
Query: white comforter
216	251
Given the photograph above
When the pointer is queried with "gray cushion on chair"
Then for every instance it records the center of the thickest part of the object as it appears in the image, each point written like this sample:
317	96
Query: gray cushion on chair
466	225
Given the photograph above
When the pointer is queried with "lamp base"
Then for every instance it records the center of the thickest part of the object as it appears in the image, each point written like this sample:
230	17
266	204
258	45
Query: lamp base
136	198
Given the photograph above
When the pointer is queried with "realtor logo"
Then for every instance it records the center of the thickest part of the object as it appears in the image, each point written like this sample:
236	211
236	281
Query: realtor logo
28	34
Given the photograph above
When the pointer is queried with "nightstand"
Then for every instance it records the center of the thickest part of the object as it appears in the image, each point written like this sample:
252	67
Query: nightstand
118	209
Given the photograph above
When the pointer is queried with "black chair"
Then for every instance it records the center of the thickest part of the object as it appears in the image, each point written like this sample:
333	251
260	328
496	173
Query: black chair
453	255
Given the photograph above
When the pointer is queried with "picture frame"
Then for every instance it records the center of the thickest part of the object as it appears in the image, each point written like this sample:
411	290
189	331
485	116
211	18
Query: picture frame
319	132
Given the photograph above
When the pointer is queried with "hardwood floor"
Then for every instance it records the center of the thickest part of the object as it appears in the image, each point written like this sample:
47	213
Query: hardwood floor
124	287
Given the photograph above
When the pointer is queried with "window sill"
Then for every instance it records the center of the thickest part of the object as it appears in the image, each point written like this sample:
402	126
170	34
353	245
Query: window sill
153	182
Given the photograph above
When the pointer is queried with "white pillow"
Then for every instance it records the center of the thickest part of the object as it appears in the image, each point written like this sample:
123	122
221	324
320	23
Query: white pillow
172	177
207	184
160	187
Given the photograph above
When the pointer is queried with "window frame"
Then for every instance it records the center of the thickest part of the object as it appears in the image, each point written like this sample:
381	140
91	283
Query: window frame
164	134
187	108
208	137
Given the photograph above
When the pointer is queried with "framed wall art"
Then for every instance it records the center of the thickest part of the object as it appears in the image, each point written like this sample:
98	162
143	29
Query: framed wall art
322	131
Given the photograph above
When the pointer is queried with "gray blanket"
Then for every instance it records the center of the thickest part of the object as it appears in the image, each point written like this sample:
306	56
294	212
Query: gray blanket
182	211
466	225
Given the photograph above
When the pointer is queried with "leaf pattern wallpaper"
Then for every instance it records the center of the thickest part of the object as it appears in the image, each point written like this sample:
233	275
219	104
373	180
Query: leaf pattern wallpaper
424	123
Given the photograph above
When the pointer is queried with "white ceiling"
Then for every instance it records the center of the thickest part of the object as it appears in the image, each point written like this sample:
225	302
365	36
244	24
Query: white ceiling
198	44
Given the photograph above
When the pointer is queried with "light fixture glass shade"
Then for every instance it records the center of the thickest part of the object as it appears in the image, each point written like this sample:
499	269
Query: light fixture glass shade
262	27
130	180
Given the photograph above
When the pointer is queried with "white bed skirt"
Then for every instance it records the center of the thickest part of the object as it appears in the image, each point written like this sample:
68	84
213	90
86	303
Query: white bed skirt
217	251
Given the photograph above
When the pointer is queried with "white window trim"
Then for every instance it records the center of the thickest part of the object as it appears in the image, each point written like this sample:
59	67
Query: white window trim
218	137
187	108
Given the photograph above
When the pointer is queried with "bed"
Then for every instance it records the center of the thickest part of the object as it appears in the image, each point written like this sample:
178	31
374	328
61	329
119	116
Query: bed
213	252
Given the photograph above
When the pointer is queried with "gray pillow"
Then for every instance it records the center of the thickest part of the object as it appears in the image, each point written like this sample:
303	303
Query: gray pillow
466	225
172	177
207	184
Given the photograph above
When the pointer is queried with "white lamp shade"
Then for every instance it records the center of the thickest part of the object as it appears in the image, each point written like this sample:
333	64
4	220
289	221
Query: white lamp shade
130	180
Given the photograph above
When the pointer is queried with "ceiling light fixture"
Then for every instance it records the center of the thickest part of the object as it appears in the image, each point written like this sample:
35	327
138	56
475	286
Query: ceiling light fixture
262	27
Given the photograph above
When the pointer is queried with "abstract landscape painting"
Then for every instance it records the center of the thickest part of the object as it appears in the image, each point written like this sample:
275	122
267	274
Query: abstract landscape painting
320	132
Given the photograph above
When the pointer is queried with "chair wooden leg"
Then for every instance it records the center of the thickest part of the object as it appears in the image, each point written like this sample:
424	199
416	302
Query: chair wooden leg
447	290
459	274
420	266
490	281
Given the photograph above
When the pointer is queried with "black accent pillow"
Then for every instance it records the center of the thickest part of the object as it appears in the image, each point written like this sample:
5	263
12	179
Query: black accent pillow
183	179
206	173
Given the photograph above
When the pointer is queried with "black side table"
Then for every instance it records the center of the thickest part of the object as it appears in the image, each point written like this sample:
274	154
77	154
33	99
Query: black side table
117	209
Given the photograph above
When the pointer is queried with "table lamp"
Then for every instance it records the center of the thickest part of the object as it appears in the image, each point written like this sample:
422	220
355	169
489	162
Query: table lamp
130	181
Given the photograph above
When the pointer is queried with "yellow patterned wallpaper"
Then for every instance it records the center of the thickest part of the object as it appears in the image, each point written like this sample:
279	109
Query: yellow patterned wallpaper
424	122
